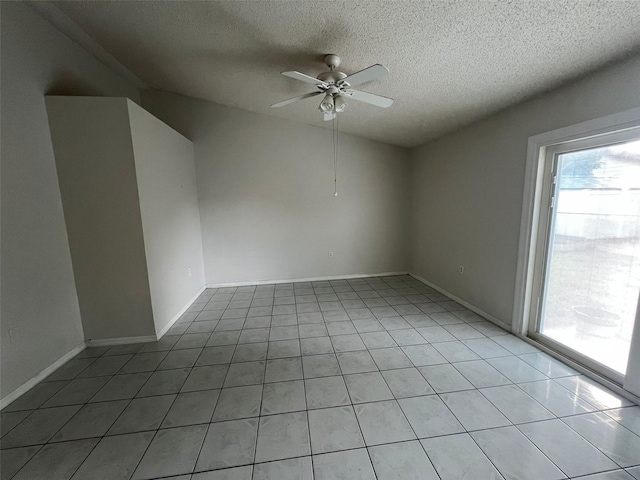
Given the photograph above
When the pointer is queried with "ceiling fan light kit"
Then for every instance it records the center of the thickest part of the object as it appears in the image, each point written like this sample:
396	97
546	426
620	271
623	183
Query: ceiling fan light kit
327	104
339	104
336	86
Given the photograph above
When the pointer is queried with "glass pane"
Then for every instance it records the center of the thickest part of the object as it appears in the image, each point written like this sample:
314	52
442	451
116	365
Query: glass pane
593	269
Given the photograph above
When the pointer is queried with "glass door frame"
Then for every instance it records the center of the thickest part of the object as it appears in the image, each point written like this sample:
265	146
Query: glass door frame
534	229
550	190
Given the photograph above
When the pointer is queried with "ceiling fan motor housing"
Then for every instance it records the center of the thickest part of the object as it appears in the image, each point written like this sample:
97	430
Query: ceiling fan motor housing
331	77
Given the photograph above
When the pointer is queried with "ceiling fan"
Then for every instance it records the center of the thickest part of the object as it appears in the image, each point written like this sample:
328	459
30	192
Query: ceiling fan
336	86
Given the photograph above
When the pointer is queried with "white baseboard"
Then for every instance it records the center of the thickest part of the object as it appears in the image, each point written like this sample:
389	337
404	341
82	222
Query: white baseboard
29	384
309	279
456	299
175	318
104	342
108	342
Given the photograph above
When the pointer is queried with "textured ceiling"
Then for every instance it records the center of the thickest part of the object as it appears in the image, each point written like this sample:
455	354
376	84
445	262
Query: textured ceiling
451	62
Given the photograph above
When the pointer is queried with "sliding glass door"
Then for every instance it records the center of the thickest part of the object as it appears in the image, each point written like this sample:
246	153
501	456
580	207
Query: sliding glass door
589	251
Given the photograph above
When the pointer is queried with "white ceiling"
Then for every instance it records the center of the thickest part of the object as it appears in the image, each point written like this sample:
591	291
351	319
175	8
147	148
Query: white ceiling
451	62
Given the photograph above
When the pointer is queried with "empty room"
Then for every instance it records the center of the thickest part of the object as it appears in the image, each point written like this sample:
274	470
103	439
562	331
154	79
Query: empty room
320	240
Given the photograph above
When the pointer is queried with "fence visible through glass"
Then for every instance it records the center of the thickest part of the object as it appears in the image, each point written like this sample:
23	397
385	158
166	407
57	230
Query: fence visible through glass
593	268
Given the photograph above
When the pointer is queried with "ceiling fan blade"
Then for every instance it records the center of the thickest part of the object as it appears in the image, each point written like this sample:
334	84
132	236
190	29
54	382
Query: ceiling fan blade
329	116
373	72
295	99
377	100
303	78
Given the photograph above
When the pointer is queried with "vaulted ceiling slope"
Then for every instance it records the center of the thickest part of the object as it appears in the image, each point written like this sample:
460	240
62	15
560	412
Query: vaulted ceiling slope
451	62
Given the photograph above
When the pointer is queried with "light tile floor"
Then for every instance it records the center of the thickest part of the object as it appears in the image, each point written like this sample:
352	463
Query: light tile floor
373	378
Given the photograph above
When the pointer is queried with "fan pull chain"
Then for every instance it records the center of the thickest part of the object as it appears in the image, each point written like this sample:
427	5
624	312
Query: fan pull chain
335	155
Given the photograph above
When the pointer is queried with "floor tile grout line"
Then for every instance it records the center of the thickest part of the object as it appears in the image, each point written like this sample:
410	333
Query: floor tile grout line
89	401
255	447
452	363
368	349
410	425
304	389
174	427
81	406
519	385
50	442
84	460
525	436
614	408
352	405
579	435
155	434
319	408
518	423
156	430
532	443
468	432
591	443
353	409
40	447
483	453
465	429
204	439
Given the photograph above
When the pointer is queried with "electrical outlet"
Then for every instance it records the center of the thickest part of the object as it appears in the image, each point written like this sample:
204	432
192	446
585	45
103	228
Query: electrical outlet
461	269
330	254
189	270
13	334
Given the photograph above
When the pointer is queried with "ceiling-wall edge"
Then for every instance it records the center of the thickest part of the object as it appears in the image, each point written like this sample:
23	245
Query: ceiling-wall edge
621	60
73	31
262	114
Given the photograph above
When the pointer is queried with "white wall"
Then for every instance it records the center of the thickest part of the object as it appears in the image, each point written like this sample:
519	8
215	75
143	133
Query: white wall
265	187
166	179
468	187
37	282
96	171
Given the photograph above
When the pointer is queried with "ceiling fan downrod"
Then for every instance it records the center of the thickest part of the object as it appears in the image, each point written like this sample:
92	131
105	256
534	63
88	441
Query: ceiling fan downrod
336	85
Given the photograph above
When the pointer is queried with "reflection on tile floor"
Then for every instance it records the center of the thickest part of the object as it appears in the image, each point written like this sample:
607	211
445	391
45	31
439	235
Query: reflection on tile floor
372	378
